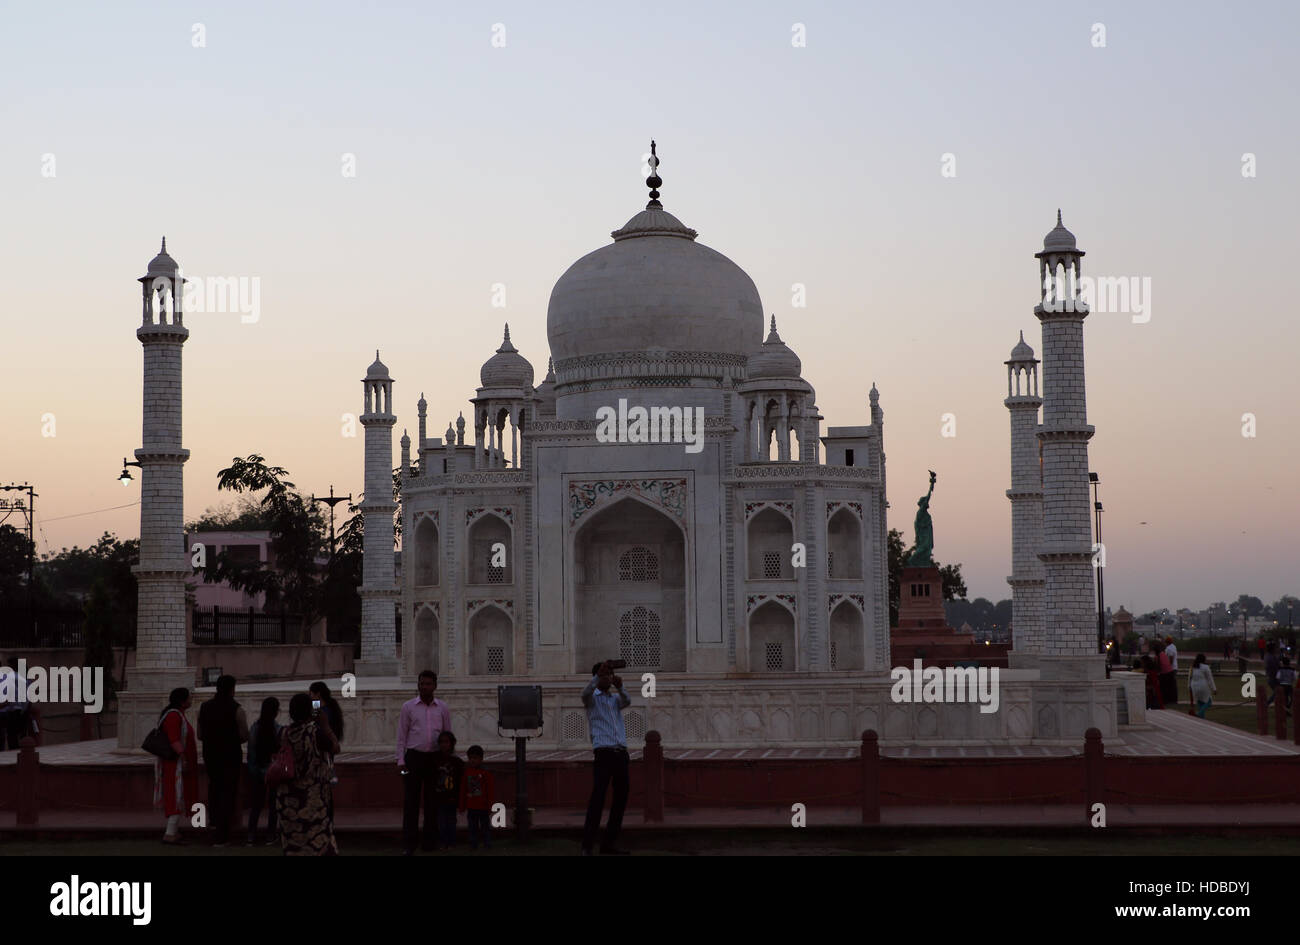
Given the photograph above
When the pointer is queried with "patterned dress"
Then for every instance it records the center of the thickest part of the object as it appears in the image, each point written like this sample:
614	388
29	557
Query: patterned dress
304	803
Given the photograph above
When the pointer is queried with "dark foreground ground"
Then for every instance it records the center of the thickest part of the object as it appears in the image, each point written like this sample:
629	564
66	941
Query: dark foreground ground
804	842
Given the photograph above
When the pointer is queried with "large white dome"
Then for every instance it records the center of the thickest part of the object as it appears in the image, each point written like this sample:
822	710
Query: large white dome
654	303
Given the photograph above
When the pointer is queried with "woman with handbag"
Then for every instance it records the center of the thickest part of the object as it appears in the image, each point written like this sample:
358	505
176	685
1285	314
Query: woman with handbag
176	779
302	770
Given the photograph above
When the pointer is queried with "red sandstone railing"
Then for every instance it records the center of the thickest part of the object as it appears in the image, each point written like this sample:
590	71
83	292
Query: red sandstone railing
869	782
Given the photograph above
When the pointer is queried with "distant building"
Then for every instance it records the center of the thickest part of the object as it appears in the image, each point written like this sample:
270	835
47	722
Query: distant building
244	546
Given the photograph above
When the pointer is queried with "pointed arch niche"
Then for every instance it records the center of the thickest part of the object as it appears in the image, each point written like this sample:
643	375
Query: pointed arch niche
629	588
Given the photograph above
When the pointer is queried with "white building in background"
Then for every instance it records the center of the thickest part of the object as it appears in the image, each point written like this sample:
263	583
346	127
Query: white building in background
665	495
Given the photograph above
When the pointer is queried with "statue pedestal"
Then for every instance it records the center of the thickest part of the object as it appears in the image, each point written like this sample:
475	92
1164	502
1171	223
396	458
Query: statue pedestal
923	632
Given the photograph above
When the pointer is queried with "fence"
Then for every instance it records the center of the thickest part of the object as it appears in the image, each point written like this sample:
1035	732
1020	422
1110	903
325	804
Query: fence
60	627
215	625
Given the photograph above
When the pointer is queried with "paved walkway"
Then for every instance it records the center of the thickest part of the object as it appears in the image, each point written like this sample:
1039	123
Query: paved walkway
1200	817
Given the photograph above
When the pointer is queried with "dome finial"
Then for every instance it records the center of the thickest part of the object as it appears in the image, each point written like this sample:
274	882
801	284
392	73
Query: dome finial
1058	217
653	181
774	322
164	245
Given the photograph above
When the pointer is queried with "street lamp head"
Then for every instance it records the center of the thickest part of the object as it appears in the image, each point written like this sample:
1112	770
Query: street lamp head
1092	477
125	478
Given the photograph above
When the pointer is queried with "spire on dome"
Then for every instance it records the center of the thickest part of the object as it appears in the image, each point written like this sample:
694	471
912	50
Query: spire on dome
772	337
506	346
378	369
1022	351
164	245
1060	240
653	181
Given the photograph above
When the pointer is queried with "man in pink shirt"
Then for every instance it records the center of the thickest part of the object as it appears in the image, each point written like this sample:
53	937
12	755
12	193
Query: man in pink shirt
423	719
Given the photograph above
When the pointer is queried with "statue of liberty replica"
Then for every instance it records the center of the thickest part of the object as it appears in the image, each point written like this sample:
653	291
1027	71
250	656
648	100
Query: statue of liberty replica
923	555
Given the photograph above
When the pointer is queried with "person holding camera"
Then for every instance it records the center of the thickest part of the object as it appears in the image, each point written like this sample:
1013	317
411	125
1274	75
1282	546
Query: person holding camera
303	802
605	700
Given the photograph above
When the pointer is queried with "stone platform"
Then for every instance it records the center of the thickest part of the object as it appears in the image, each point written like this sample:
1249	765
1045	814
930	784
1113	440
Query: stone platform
824	710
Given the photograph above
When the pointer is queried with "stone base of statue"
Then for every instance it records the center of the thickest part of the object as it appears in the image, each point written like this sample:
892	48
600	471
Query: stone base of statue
923	632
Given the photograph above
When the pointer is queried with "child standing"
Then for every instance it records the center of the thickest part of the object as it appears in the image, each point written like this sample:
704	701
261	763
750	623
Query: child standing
477	794
448	772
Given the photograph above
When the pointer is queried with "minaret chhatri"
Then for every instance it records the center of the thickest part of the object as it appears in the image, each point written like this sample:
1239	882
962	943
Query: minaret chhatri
1070	618
379	590
160	576
1026	495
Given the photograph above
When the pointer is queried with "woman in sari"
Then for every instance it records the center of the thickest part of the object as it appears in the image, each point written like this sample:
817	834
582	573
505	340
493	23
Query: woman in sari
176	782
304	802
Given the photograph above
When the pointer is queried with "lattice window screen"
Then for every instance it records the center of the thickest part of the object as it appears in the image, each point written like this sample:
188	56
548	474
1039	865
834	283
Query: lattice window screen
573	727
775	656
835	655
634	725
772	565
830	564
496	659
639	637
638	564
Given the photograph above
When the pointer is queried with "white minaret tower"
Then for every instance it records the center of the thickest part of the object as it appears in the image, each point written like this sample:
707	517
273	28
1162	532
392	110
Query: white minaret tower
164	564
379	590
1070	618
1026	495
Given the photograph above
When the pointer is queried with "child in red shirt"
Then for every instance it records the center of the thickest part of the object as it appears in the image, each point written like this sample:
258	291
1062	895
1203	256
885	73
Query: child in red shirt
477	793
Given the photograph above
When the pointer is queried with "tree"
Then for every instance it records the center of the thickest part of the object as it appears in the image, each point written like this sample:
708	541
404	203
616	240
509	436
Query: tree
244	515
69	577
954	586
14	552
294	582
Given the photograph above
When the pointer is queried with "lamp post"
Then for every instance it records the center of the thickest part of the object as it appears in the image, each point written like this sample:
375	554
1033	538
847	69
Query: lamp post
332	500
125	477
1101	564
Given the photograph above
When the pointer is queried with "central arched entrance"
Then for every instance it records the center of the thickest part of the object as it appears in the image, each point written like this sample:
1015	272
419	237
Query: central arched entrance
629	589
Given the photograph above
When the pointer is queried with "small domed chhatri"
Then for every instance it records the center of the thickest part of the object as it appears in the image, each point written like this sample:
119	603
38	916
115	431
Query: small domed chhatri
506	368
1022	351
1060	240
162	264
774	359
378	369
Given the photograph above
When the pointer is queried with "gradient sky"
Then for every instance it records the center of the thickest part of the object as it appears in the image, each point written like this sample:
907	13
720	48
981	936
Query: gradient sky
818	165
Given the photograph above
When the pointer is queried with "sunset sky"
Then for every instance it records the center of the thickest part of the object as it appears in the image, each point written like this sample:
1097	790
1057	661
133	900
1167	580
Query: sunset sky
817	164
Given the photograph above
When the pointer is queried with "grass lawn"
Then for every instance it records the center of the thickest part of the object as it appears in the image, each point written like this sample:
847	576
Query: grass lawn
1228	707
806	842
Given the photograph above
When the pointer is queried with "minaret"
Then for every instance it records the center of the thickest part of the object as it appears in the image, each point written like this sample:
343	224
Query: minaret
1026	495
378	582
160	576
882	639
1070	618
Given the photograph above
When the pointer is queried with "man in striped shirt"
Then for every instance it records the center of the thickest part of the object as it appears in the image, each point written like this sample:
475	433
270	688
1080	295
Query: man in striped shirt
422	720
605	701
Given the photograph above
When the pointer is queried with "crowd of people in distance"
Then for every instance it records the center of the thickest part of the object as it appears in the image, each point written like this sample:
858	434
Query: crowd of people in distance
1160	664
